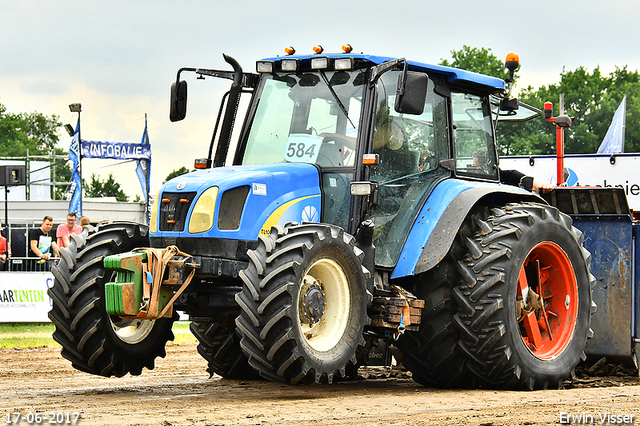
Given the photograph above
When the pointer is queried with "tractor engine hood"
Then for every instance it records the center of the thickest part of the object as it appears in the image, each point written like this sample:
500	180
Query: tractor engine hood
237	202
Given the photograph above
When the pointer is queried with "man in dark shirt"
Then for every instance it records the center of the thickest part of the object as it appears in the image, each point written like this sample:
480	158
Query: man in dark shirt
42	243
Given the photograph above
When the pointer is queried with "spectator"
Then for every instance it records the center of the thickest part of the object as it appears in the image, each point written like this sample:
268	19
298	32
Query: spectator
64	230
41	243
83	221
5	250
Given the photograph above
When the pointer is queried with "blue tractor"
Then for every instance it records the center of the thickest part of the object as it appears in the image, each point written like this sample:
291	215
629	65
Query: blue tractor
361	207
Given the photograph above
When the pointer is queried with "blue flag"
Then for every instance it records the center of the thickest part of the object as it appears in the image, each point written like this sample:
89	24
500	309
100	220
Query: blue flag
75	205
143	170
614	139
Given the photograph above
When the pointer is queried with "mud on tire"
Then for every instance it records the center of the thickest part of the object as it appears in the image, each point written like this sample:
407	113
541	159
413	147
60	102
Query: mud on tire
304	304
92	340
523	248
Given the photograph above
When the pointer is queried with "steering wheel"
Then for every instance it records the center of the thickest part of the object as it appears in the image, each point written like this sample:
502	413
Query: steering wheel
333	154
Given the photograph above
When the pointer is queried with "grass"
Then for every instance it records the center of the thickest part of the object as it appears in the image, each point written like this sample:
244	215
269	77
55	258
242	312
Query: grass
34	335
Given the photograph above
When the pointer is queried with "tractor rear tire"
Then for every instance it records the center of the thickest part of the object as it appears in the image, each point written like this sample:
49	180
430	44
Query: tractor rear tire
94	341
521	251
304	305
432	353
220	346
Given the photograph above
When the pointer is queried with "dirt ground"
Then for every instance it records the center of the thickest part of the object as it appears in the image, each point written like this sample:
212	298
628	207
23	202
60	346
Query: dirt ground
179	392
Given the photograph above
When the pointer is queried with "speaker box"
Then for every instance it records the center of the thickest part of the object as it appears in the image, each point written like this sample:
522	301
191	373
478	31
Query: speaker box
13	175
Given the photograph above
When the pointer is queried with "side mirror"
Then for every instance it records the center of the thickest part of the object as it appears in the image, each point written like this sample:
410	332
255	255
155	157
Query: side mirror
412	92
178	109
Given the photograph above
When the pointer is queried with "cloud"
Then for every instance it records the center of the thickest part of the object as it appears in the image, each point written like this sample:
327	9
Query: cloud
118	58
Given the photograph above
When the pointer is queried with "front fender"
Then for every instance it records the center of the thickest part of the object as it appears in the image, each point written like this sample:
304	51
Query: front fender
442	215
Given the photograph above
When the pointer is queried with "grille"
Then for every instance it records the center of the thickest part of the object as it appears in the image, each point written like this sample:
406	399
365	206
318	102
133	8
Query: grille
174	207
231	206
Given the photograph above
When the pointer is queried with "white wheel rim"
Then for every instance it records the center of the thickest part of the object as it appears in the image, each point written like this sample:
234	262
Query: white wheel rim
131	331
329	330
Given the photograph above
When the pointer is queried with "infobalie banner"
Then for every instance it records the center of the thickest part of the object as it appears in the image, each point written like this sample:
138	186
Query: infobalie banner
116	150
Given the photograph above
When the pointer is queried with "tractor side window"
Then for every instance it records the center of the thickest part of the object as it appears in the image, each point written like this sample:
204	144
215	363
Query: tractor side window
405	143
271	125
473	136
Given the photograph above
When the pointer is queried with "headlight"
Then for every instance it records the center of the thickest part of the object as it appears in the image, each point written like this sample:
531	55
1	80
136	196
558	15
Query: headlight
202	213
153	223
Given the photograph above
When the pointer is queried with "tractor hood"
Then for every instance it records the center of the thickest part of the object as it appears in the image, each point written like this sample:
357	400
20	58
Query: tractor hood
237	202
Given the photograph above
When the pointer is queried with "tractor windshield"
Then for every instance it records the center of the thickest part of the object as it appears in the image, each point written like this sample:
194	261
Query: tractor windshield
306	117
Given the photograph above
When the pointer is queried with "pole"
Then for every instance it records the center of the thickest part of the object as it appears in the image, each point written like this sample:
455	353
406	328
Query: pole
6	208
80	158
27	187
560	154
53	173
560	145
6	221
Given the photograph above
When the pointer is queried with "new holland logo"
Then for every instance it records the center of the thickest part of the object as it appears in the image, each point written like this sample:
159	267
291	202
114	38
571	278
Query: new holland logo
310	214
181	185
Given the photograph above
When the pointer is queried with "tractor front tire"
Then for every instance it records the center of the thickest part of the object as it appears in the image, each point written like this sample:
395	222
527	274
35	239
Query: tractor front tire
94	341
524	297
304	305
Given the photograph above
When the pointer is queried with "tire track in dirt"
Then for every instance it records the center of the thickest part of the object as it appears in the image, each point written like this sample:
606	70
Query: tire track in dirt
179	392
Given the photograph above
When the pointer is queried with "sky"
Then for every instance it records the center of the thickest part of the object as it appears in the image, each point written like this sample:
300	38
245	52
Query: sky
118	58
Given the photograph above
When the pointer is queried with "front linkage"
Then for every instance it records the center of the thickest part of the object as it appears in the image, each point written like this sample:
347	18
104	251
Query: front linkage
148	281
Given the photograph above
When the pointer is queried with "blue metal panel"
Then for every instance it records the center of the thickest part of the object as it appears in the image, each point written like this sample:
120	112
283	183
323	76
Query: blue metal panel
609	239
292	187
427	220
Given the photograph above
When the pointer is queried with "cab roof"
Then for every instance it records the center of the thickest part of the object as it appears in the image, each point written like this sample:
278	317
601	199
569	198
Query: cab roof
452	75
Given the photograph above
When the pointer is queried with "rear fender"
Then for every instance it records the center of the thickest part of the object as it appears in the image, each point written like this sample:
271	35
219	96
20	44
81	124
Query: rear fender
442	215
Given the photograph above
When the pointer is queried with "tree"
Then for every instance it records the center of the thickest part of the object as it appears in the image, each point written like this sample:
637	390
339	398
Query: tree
479	60
21	132
590	99
175	173
103	188
36	134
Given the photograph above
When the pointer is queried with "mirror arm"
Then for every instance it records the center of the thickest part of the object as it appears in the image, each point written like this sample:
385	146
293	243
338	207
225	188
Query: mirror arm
402	80
180	71
378	70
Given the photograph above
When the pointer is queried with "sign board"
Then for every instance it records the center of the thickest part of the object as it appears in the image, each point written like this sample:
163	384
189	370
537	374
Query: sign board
604	170
23	296
116	150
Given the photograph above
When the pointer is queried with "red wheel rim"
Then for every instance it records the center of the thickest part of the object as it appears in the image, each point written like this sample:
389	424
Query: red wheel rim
546	328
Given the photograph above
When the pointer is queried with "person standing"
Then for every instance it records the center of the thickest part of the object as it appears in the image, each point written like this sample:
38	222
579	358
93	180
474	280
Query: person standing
5	250
66	229
42	244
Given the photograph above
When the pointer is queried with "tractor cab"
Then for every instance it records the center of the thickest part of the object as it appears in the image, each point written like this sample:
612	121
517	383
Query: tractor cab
381	132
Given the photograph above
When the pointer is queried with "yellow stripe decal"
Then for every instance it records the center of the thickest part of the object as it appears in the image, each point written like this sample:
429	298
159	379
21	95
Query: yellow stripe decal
277	214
